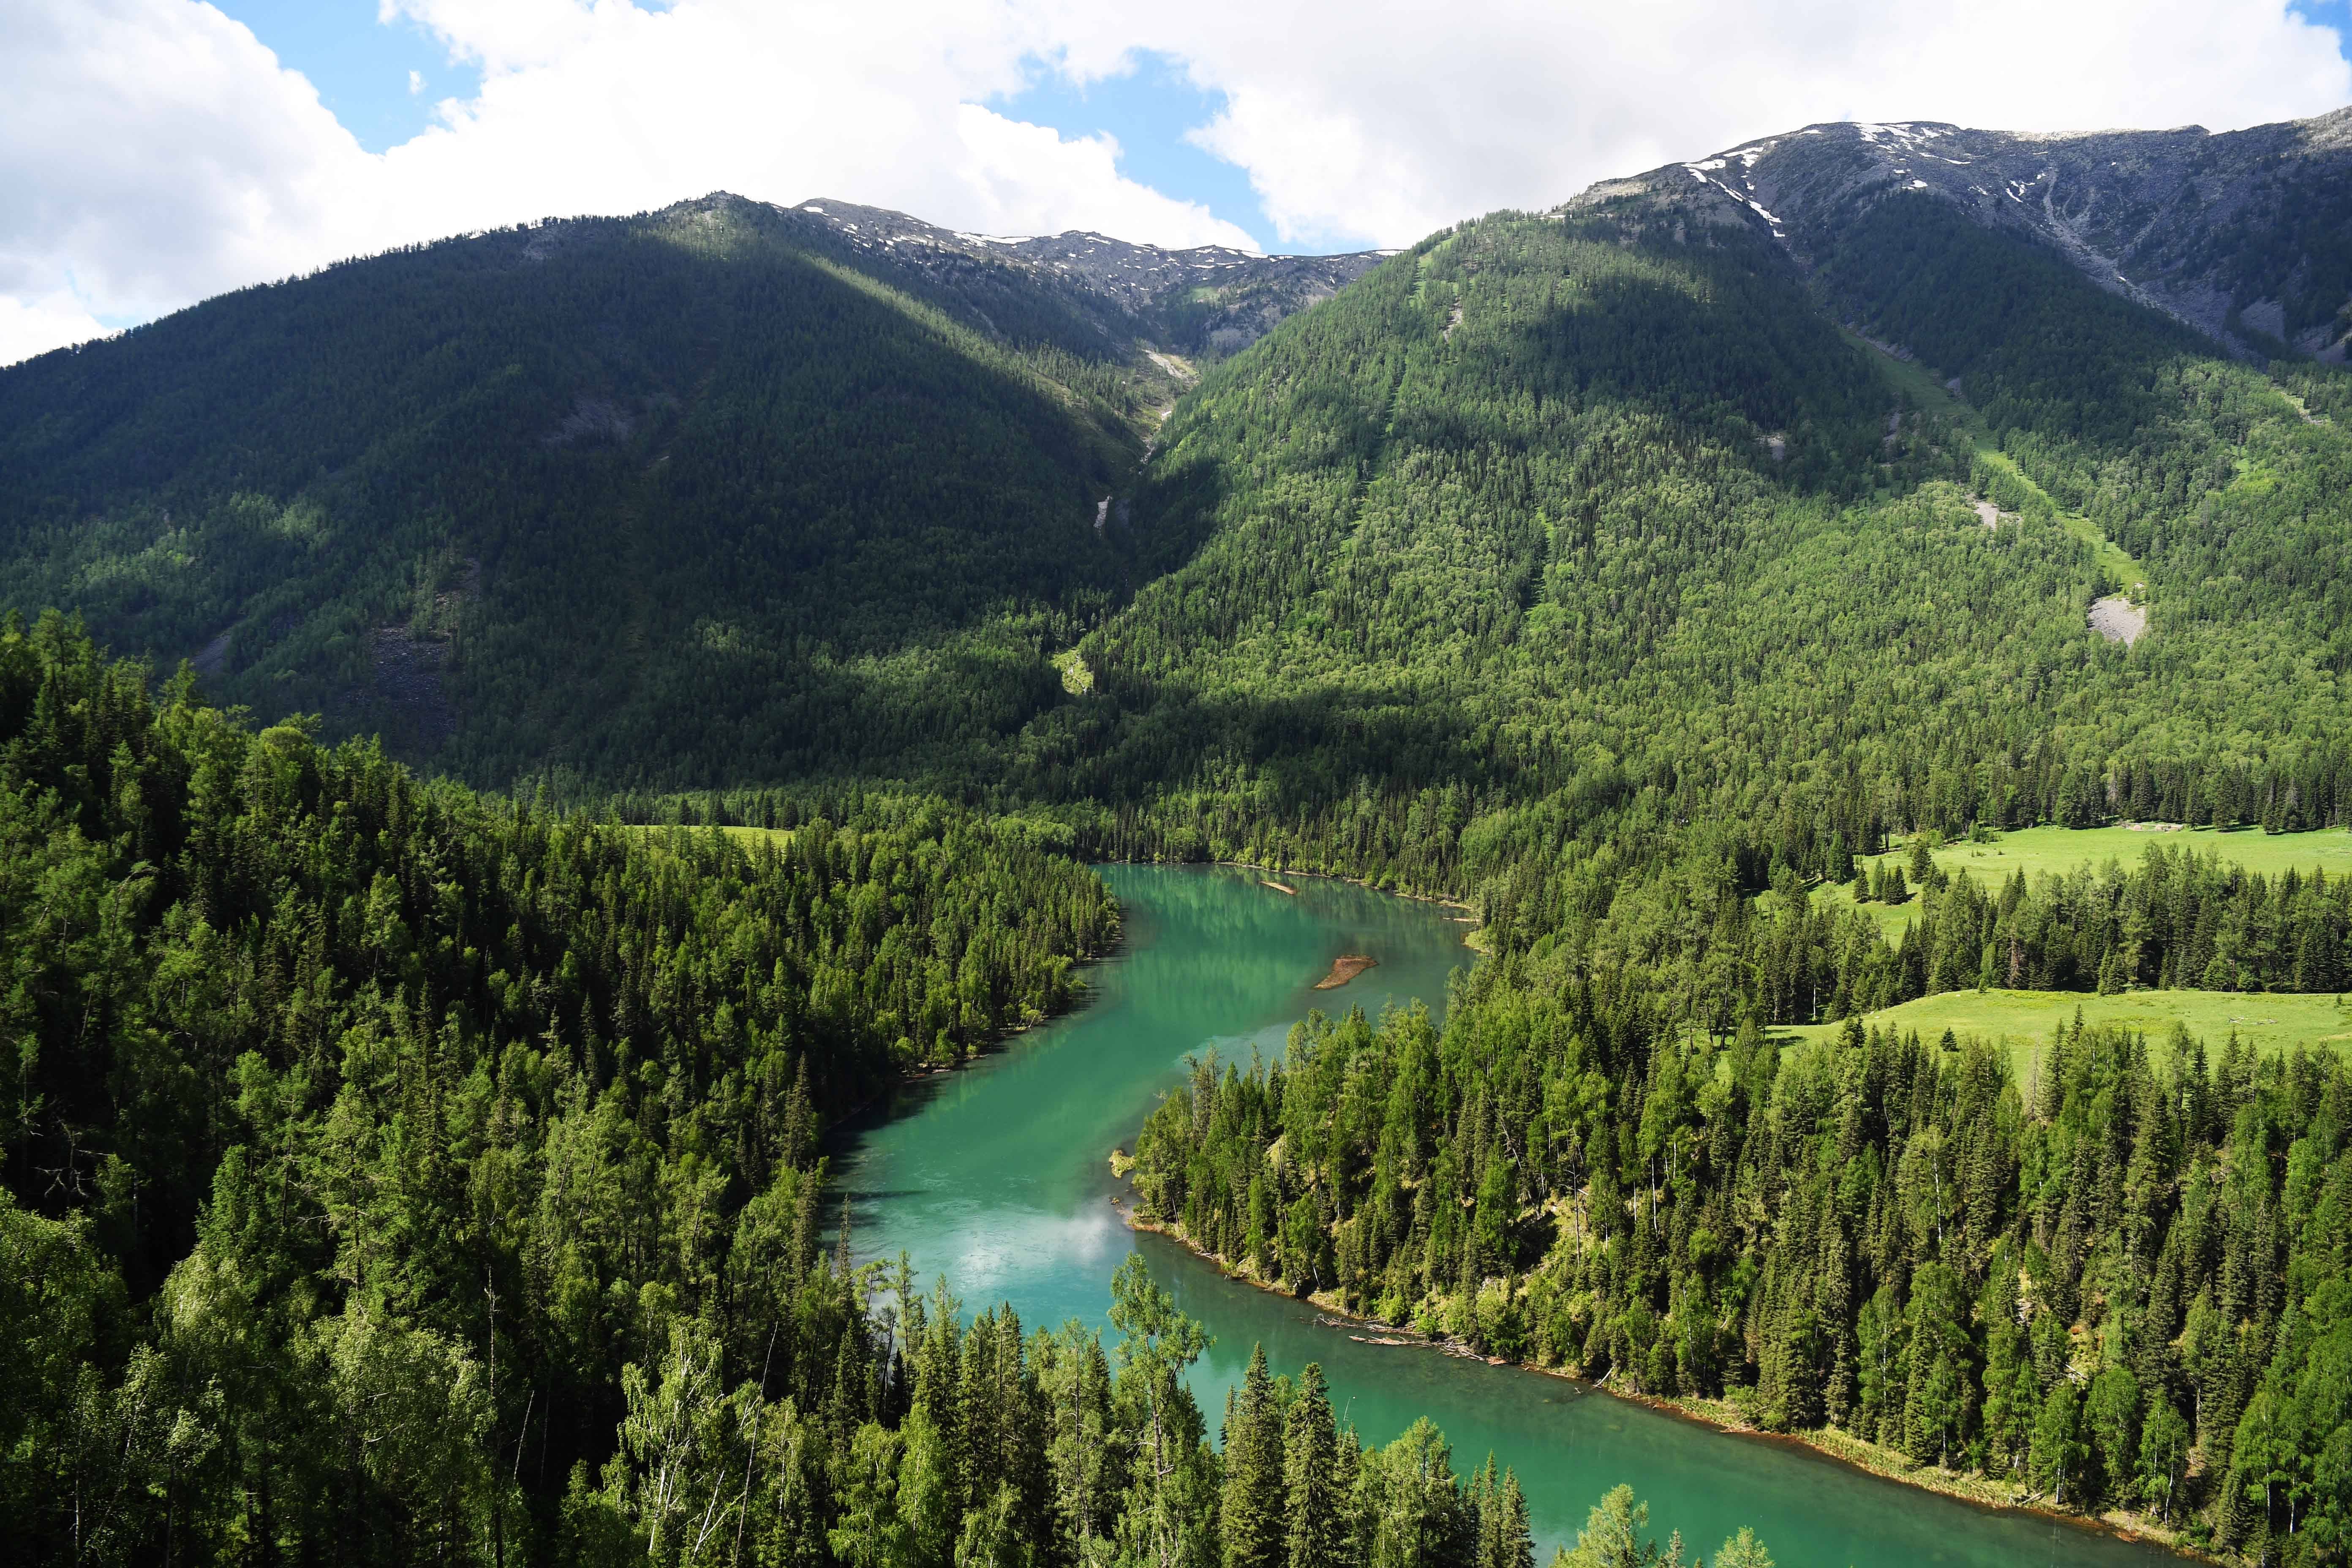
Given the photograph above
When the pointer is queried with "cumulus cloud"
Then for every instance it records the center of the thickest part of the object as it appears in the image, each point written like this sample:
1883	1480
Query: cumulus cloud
152	151
32	327
1397	119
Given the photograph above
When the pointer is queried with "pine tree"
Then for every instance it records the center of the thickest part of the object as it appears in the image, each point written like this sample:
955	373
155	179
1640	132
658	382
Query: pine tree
1250	1514
1316	1519
1743	1550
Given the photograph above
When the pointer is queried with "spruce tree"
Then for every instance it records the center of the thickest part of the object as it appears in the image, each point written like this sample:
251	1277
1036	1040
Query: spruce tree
1316	1520
1251	1518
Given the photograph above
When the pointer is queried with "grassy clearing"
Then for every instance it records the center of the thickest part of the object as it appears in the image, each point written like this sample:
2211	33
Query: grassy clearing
2040	850
2045	851
1890	918
1912	379
2273	1021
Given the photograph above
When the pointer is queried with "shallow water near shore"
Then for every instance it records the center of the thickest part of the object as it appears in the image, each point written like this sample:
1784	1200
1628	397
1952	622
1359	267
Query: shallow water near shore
998	1176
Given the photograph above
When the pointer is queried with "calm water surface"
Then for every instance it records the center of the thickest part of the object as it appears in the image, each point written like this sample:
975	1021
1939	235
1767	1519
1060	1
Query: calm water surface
997	1178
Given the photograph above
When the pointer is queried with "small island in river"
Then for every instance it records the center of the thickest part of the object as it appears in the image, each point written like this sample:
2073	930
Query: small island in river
1344	968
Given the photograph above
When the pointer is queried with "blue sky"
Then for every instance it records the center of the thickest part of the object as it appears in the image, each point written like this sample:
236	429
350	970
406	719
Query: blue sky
1149	110
361	67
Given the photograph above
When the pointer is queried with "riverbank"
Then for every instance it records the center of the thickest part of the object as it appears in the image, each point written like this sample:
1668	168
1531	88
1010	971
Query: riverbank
1718	1415
1440	901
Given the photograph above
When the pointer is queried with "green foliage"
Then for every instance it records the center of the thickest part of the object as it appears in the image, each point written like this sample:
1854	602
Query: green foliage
372	1145
688	498
2048	1280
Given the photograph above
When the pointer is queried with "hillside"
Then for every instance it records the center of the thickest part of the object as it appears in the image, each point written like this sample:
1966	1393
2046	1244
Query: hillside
1645	493
1820	448
717	492
1691	578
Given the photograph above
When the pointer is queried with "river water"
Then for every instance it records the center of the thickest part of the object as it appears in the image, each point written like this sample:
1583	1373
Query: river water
998	1177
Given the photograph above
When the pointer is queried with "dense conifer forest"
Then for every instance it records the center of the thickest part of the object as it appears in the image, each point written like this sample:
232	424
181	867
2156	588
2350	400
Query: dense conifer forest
398	1172
2117	1274
394	1174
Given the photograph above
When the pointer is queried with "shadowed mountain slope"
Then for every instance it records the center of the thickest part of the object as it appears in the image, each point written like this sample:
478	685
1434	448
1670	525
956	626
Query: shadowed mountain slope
717	487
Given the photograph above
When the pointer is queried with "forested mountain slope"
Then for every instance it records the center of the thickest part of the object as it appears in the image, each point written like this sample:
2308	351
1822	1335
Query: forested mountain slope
716	488
355	1121
1557	507
1639	563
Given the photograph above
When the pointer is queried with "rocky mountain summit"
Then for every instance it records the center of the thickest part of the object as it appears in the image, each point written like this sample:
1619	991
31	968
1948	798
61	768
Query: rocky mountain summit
2246	236
1209	300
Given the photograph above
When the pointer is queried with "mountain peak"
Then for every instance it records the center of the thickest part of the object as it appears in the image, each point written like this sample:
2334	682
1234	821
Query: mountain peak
2245	236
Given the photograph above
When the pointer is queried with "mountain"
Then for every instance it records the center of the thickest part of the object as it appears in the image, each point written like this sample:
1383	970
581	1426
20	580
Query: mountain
723	490
1697	576
2246	236
733	493
1207	300
1767	483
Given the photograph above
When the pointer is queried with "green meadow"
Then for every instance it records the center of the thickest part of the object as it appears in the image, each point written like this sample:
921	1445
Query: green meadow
2045	851
2272	1021
2037	850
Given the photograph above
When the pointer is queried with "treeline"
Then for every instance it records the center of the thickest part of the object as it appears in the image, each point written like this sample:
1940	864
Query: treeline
2175	919
2120	1276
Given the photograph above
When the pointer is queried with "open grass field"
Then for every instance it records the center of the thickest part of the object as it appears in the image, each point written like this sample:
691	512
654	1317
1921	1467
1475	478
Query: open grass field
1890	918
2273	1021
2044	851
2040	850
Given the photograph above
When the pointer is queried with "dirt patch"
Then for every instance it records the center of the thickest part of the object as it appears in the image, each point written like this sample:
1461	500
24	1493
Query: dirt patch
213	658
1175	365
1992	516
2117	619
1344	968
592	419
411	680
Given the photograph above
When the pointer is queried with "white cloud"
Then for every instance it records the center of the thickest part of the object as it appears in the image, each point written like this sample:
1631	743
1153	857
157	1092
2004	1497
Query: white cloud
28	328
152	152
1391	120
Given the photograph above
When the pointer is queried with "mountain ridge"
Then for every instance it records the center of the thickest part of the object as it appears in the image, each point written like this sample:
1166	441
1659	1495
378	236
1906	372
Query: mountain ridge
1250	292
2244	236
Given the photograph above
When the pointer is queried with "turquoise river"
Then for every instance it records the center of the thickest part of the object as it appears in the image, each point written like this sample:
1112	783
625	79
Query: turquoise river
997	1176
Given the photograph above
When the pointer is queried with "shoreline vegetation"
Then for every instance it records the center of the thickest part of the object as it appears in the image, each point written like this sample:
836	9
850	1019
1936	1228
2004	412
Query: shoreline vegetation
1895	1250
1721	1414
